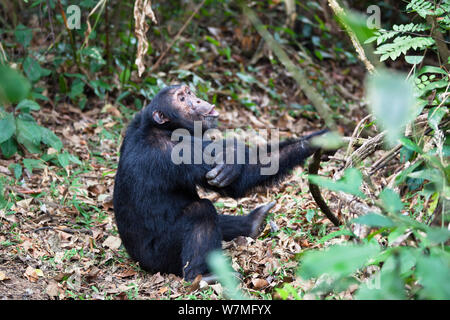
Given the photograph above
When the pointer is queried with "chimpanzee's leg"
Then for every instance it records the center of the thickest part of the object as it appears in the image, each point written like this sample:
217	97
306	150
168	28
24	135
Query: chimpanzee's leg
201	236
248	226
204	230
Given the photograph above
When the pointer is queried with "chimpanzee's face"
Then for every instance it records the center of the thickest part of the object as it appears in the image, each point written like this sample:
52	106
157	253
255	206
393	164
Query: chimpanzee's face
178	106
194	108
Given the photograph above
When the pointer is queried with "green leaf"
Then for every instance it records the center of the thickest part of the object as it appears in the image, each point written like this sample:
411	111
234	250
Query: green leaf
32	69
349	183
17	169
433	274
396	233
94	53
76	89
391	201
414	59
391	100
51	139
436	85
63	159
13	86
435	116
431	174
221	266
213	41
23	35
343	232
125	75
431	69
246	78
310	213
357	22
404	174
384	285
74	159
9	148
328	141
374	220
336	261
438	235
28	134
7	127
28	105
410	145
31	164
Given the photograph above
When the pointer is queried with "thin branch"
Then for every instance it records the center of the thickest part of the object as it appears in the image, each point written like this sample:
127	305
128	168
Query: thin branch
315	191
72	39
441	45
339	12
297	73
161	57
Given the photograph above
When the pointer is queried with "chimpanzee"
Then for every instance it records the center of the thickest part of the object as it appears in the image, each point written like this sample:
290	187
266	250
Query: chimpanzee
162	221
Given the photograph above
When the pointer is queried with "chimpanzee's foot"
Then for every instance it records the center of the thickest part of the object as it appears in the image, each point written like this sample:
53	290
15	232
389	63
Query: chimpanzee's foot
258	219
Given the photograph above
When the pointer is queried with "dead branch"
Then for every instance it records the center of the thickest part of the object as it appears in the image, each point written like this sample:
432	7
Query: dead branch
315	191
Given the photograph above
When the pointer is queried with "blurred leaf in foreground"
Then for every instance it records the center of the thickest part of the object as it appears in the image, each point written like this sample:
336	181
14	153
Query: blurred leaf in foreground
328	141
391	100
337	261
349	183
220	266
13	86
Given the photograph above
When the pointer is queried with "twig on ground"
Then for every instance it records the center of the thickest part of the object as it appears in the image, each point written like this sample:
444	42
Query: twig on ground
355	134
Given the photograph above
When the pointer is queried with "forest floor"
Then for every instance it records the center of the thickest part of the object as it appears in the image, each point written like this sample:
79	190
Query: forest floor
61	241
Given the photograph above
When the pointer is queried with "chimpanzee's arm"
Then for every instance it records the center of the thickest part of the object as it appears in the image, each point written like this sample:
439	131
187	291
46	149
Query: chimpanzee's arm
236	180
249	176
244	172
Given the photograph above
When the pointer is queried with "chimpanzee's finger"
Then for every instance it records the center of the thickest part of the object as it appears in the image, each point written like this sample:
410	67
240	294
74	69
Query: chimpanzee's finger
229	178
213	173
222	178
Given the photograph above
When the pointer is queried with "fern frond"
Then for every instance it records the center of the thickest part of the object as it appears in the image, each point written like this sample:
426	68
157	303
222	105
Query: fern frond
382	35
422	7
401	45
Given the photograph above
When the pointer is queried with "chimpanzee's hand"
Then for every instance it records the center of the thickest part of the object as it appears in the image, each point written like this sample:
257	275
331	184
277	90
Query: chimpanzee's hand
223	174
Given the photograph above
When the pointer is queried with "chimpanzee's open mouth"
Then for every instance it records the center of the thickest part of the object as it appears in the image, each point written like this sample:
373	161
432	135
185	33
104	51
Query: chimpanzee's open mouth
212	112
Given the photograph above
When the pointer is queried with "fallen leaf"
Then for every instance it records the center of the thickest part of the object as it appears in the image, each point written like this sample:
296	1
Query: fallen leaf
195	284
3	276
157	278
52	289
218	289
97	189
163	290
31	274
127	273
112	110
112	242
259	283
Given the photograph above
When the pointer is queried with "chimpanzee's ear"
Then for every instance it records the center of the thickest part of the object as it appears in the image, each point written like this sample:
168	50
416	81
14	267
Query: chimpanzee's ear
159	117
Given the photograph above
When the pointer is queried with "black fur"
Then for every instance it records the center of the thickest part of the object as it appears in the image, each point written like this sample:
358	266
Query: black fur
161	219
